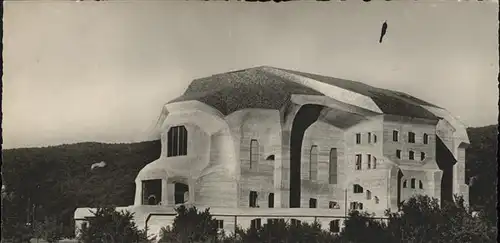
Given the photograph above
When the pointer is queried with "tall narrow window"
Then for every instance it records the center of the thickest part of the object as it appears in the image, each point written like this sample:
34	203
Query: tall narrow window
369	137
313	203
271	200
426	138
333	166
395	136
404	184
220	224
412	183
422	155
369	161
374	164
358	162
368	195
358	138
357	188
254	153
253	199
255	223
411	155
420	184
374	138
177	141
398	154
411	137
313	163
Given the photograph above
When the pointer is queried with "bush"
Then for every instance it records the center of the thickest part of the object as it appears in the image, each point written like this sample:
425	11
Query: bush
191	226
109	225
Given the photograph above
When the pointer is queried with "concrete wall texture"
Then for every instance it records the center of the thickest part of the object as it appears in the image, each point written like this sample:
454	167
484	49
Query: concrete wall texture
243	160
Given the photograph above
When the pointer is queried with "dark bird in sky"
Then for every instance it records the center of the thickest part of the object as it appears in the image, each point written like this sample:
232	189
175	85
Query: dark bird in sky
384	30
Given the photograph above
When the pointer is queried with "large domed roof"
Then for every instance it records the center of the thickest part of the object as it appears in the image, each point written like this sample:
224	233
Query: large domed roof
271	88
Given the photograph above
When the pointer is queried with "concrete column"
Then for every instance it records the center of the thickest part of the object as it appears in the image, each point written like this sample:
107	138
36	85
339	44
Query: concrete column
434	183
138	193
164	192
170	192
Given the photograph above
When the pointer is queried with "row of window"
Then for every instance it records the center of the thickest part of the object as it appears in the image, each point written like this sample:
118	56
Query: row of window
411	137
370	138
332	165
257	223
413	183
313	202
411	155
371	162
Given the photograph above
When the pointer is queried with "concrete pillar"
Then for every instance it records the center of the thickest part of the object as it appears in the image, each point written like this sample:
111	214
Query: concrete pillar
138	193
164	192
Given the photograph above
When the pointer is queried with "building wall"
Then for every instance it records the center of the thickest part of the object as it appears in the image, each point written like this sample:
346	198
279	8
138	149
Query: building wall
373	180
325	137
263	126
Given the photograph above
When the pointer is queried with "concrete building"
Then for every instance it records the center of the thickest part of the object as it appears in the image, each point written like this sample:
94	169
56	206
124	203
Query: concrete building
267	143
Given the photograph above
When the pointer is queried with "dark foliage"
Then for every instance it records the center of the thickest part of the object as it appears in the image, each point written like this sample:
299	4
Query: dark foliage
59	179
482	169
111	226
190	225
49	229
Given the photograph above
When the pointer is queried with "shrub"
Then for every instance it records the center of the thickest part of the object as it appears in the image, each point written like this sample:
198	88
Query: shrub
110	226
191	226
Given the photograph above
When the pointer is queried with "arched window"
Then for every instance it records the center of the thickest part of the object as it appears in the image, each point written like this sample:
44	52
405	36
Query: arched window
254	153
177	141
398	153
313	162
420	184
404	184
413	183
411	155
426	138
333	166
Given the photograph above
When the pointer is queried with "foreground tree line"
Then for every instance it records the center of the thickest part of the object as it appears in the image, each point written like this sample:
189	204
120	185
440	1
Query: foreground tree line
421	220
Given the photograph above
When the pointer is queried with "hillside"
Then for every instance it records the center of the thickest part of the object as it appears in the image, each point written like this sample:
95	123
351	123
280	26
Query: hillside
59	179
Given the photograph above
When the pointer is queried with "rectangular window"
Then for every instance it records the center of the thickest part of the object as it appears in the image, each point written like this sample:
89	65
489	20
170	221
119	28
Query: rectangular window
374	138
333	167
358	162
411	155
395	136
177	141
357	188
254	153
313	163
411	137
356	206
369	161
335	226
358	138
295	222
253	199
369	137
220	224
374	163
333	205
426	138
312	202
422	155
255	223
398	154
271	200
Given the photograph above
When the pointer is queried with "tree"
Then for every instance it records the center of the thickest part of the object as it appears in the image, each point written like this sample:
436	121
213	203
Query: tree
49	230
110	226
191	226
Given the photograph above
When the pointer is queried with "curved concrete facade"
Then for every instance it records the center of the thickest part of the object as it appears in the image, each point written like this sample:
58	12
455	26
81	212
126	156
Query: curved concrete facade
331	146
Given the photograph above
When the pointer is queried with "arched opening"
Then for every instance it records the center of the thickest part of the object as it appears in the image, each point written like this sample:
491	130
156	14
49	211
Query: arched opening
181	193
445	161
306	116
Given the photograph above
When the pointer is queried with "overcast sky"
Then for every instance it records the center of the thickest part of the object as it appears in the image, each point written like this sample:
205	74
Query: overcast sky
102	71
